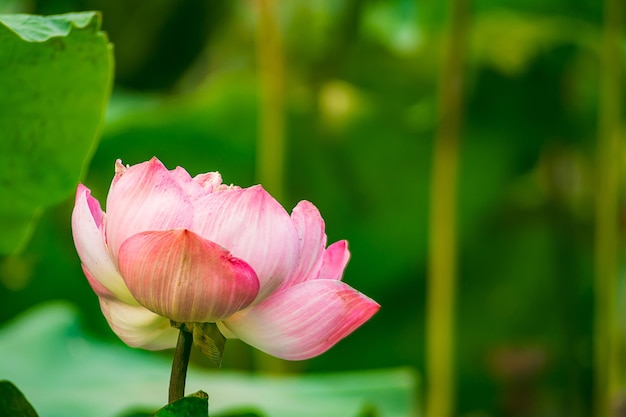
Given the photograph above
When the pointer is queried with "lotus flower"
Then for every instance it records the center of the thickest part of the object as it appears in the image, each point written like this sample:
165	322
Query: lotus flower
193	250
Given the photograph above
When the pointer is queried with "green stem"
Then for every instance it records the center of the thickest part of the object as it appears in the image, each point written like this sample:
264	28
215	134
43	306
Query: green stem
179	365
442	232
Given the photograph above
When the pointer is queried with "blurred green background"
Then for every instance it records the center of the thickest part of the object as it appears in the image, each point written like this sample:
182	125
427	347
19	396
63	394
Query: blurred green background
361	80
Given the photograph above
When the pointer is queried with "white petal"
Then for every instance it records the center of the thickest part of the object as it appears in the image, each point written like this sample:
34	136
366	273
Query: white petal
137	326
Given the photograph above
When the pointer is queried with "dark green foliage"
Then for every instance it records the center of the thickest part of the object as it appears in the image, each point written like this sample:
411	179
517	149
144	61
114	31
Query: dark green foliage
194	405
13	403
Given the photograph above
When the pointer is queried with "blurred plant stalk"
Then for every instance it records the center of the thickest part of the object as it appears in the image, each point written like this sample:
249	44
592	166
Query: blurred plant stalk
443	199
608	365
270	150
271	139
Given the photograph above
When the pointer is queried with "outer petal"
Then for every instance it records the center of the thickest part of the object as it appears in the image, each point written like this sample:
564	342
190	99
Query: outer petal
145	197
254	227
336	258
99	289
310	227
303	321
137	326
87	218
179	275
134	324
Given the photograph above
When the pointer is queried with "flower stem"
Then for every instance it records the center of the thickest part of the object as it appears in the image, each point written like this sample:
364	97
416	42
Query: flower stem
179	365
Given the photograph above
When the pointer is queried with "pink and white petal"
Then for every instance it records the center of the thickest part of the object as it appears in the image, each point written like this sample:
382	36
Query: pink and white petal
336	258
253	226
87	218
210	181
310	227
303	321
96	286
181	176
138	326
198	186
145	197
184	277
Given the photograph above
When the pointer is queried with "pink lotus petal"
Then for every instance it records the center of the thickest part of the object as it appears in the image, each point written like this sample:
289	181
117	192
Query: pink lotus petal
87	218
210	181
336	258
310	227
254	227
182	177
303	321
179	275
145	197
138	326
198	186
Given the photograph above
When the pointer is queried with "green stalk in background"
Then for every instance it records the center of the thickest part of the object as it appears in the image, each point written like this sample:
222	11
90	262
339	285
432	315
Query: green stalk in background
271	140
270	153
607	363
443	194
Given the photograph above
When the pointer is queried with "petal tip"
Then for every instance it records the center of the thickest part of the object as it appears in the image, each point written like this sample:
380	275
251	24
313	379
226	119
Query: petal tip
81	190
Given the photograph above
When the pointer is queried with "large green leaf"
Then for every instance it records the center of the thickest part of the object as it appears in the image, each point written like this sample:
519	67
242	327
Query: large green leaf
67	373
54	85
